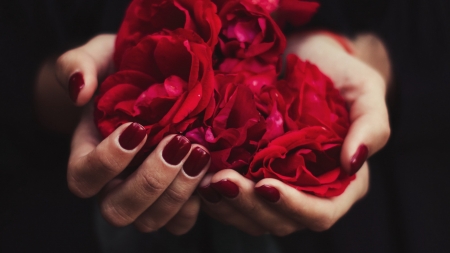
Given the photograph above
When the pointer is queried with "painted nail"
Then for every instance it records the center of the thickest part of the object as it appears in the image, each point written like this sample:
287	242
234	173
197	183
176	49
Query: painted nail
76	83
196	161
268	192
176	150
130	138
358	159
209	194
226	188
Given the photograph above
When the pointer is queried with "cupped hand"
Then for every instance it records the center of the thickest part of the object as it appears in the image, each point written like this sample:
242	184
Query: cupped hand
274	207
271	206
157	194
362	86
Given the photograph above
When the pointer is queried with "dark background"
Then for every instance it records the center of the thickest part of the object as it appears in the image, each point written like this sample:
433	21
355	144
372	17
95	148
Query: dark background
406	209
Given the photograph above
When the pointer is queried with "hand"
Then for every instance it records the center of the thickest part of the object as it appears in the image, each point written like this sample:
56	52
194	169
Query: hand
362	87
157	194
272	206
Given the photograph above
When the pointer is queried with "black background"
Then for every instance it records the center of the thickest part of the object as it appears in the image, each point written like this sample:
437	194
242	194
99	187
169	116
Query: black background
406	209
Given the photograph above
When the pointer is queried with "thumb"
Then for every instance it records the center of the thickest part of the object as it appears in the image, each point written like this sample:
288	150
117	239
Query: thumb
79	69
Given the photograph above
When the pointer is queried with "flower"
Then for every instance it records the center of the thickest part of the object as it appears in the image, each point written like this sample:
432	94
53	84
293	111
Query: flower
257	74
316	122
165	83
183	68
145	17
248	31
311	99
232	135
268	5
296	12
306	159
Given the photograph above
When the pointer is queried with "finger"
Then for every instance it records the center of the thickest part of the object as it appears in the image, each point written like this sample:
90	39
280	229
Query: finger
316	213
369	130
239	192
177	193
222	211
79	69
93	164
186	217
129	200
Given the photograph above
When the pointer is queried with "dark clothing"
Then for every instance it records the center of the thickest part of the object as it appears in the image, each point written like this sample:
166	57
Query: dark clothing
406	209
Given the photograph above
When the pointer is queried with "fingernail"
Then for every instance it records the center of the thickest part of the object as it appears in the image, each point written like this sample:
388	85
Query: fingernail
196	161
358	159
176	150
76	83
130	138
226	188
209	194
268	192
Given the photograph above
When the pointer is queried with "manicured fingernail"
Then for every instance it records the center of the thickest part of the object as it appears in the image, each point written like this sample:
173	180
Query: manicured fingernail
226	188
358	159
76	83
130	138
209	194
196	161
268	192
176	150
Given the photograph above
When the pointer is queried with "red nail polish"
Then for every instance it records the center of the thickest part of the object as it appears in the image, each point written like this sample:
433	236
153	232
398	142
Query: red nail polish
358	159
226	188
209	194
130	138
196	161
176	150
268	192
76	83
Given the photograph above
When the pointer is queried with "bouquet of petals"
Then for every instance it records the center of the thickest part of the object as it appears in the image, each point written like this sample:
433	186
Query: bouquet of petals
208	69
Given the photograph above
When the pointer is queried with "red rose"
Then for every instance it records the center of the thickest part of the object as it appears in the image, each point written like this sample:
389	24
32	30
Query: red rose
268	5
312	100
306	159
248	31
233	133
165	83
145	17
257	74
272	106
296	12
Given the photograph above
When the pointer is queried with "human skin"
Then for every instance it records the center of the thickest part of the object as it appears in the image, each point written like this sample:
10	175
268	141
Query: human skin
267	206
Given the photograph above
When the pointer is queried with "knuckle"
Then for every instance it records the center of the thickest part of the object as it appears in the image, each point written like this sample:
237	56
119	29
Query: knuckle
151	184
177	231
104	162
178	228
76	187
175	197
386	132
282	230
323	223
115	215
146	226
62	59
187	215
